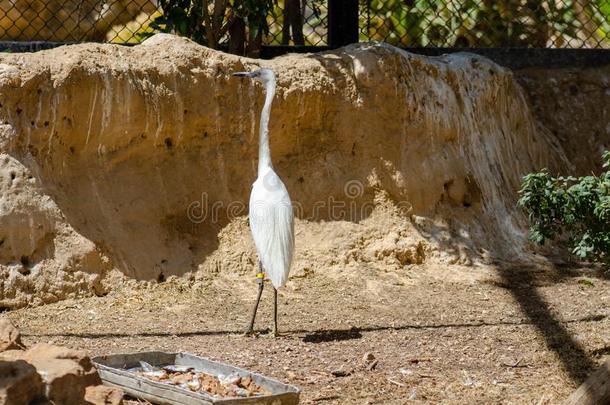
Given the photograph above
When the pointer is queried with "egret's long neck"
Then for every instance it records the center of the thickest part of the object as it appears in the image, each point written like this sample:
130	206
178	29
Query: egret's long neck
264	152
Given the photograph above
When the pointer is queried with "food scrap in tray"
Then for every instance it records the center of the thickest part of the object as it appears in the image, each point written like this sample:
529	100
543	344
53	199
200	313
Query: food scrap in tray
185	377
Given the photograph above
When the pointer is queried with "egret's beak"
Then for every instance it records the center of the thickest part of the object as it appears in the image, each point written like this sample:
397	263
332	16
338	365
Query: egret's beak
243	74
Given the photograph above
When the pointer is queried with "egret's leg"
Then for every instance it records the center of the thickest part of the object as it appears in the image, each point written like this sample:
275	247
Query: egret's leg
275	312
261	284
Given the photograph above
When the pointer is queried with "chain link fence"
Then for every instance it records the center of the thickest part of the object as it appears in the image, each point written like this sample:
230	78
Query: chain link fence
119	21
485	23
300	22
409	23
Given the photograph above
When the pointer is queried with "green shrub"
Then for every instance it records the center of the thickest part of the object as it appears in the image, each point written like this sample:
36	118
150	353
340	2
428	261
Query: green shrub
575	210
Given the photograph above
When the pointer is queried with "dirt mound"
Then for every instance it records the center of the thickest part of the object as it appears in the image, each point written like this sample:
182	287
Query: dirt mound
141	159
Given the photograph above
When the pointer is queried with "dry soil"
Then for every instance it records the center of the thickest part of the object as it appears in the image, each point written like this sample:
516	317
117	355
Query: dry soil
438	334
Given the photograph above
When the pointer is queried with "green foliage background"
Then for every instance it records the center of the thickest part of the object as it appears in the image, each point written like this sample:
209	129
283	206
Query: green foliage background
575	210
438	23
484	23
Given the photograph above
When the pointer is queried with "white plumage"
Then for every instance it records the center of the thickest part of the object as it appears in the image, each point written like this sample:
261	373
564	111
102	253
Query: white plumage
270	211
272	226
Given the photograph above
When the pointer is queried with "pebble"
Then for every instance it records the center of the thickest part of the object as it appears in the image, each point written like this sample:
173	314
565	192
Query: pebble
369	361
368	357
340	373
405	371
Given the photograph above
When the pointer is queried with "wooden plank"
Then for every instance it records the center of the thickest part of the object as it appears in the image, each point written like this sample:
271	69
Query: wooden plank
595	390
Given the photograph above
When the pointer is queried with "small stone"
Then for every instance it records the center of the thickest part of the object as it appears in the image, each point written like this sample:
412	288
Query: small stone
340	373
510	362
369	360
368	357
19	383
103	395
405	371
10	338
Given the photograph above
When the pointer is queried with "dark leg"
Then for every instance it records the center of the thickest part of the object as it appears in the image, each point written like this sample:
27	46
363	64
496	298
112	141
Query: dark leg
261	284
275	312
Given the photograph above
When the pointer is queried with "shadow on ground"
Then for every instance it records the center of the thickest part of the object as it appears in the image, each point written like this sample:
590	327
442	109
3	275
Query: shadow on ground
315	336
321	336
522	285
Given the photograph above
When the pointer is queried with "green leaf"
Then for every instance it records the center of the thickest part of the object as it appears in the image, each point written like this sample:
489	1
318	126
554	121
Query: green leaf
577	209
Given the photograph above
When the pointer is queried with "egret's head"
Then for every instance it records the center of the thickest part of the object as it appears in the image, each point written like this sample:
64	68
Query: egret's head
260	75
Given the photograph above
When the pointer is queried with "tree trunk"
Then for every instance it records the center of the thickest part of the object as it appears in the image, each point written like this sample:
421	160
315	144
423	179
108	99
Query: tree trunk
237	36
253	50
220	9
293	23
286	25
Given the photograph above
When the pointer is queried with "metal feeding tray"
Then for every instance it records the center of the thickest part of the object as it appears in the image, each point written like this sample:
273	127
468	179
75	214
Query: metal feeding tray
117	370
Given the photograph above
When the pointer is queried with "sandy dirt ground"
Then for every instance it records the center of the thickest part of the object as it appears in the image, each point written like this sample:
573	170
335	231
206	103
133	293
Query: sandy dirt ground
495	334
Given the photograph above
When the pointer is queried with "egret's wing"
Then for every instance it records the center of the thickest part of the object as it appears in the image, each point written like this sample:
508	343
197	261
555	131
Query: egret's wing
272	225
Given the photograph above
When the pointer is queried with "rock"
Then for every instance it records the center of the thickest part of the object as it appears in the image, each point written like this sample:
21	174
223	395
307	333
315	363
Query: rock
104	395
341	373
19	383
65	372
65	375
405	371
368	357
10	338
94	127
80	357
369	361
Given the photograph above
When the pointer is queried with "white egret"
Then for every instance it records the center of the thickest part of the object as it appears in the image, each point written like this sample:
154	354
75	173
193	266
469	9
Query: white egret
270	211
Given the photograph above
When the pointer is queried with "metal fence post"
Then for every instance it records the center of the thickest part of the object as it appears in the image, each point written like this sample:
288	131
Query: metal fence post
342	22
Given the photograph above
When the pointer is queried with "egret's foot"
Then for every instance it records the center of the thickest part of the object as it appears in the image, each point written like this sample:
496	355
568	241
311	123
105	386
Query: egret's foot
257	333
265	333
